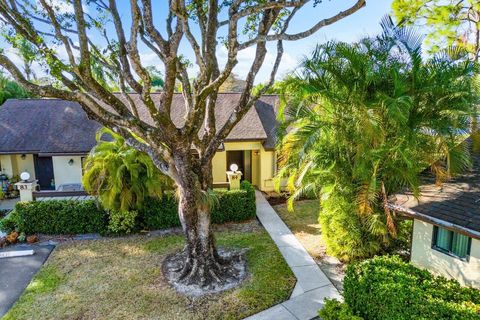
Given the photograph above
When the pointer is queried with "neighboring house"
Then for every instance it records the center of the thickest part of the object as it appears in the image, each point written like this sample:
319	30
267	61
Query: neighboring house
446	229
49	139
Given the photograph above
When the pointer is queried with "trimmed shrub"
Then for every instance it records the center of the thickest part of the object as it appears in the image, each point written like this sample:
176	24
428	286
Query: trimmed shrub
233	206
389	288
10	223
60	217
159	213
122	222
75	217
336	310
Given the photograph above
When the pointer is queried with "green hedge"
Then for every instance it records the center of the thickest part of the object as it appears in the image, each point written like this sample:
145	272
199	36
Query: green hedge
60	217
76	217
233	206
389	288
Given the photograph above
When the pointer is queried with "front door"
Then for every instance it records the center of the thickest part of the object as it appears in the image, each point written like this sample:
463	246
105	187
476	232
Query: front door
44	172
238	157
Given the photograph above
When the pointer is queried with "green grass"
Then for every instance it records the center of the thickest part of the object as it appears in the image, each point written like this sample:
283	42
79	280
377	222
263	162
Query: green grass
121	279
303	222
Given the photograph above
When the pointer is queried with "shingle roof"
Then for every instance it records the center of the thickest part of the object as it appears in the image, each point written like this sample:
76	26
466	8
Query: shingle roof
58	126
45	126
456	201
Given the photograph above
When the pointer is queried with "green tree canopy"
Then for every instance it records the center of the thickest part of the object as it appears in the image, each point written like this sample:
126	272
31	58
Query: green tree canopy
451	22
365	119
10	89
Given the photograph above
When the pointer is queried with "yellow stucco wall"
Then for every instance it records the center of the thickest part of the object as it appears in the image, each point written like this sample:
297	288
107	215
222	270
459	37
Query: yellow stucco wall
219	167
64	172
423	256
263	164
6	165
24	165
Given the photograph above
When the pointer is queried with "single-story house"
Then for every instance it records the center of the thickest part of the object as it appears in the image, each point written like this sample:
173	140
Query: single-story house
49	138
446	228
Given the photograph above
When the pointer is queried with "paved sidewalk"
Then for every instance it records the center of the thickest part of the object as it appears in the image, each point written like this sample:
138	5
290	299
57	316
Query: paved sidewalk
16	273
312	286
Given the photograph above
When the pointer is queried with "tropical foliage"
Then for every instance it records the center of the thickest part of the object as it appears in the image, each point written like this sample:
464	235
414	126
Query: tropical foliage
10	89
122	177
365	119
388	288
456	22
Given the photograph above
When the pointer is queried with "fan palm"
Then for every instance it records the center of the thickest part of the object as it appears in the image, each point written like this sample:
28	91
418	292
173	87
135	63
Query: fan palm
364	120
121	176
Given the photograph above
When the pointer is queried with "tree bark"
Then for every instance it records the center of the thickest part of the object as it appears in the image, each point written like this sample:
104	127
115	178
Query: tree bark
199	263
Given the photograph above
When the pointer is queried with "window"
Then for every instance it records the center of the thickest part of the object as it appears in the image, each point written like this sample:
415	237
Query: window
450	242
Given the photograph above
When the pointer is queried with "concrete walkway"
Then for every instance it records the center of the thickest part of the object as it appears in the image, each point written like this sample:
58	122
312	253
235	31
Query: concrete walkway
16	273
312	286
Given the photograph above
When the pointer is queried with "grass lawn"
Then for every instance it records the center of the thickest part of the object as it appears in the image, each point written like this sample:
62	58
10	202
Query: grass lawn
303	222
121	279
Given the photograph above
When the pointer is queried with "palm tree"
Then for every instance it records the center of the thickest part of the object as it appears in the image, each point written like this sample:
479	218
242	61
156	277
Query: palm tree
121	176
10	89
364	120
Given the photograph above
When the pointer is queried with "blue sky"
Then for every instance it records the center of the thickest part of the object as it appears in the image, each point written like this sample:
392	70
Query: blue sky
362	23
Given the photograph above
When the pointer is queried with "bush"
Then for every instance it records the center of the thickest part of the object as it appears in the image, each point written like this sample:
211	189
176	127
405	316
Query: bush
10	223
233	206
389	288
76	217
336	310
345	235
60	217
122	222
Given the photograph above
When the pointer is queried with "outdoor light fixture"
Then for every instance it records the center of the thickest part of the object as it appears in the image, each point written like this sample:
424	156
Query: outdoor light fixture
233	167
23	156
70	162
25	176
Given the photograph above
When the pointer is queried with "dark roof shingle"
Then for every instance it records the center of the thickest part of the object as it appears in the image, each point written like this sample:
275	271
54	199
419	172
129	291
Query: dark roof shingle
456	201
58	126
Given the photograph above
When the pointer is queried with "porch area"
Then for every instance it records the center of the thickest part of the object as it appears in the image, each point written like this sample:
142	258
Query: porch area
257	165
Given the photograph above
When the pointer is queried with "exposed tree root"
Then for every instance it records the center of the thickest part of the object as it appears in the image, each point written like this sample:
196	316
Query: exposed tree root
196	276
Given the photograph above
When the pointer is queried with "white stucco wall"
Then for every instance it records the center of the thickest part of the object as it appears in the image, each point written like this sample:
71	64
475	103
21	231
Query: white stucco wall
64	172
423	256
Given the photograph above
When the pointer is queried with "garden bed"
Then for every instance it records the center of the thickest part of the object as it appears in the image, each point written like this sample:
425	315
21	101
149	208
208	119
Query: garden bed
120	278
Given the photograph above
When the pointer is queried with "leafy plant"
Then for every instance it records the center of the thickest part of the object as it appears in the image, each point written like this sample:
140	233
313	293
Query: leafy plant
58	217
388	288
122	222
121	176
77	217
362	121
336	310
10	89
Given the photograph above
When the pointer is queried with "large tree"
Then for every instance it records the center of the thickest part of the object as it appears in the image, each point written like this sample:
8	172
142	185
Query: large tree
451	22
95	32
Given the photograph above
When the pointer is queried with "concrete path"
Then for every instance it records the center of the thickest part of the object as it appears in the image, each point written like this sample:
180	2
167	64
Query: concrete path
312	286
16	273
8	204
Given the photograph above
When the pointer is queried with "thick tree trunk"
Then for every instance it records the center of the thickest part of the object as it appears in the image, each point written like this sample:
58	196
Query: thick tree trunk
199	264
